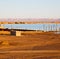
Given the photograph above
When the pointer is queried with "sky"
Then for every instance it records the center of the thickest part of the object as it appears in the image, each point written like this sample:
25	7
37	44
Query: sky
29	8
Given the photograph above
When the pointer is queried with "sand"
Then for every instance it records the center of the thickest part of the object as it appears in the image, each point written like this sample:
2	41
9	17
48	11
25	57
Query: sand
38	46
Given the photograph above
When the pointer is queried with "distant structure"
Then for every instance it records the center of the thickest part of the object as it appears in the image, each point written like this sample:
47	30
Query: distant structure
45	28
18	32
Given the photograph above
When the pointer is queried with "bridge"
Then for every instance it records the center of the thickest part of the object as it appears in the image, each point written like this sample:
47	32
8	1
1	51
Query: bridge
45	28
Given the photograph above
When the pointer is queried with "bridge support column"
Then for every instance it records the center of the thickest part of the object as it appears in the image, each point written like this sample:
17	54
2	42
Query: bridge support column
18	33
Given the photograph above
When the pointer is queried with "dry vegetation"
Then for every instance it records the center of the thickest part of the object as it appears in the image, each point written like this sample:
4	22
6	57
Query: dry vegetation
38	42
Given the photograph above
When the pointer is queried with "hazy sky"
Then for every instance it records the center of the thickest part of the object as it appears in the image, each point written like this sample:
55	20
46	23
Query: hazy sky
29	8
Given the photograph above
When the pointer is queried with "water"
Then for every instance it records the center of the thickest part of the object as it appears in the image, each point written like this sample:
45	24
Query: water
47	27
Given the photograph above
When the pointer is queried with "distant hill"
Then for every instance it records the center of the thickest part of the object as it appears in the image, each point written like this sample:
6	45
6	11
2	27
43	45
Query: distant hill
30	20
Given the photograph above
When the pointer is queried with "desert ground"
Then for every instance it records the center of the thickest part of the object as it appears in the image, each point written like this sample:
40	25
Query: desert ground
30	46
